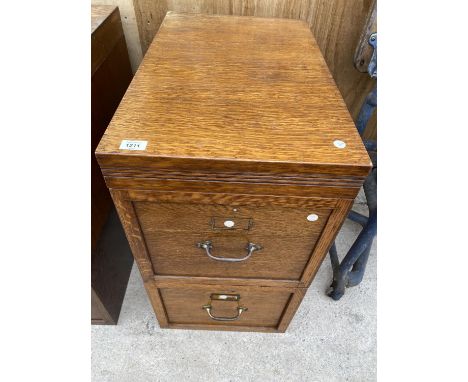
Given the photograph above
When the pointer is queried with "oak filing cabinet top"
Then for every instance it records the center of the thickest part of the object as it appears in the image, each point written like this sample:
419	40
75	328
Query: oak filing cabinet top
237	93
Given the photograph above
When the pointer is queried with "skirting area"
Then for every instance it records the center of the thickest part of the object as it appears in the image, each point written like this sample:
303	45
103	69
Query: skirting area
326	341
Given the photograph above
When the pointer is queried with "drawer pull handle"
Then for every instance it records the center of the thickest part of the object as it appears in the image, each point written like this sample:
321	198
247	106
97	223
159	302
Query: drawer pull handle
207	246
224	297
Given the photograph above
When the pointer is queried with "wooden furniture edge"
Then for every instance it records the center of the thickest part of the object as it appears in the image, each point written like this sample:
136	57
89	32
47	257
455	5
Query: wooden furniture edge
239	283
115	163
102	45
227	198
305	191
331	230
291	309
107	318
213	328
224	328
157	303
133	233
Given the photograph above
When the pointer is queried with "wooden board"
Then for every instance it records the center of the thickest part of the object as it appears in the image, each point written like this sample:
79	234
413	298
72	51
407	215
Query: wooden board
364	50
236	91
111	260
336	24
110	76
111	264
99	14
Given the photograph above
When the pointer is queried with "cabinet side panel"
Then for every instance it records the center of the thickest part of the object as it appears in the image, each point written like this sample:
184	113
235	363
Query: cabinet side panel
156	301
133	232
332	228
291	309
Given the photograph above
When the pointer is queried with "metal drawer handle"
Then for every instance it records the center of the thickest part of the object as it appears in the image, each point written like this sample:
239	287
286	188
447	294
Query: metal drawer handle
224	297
251	247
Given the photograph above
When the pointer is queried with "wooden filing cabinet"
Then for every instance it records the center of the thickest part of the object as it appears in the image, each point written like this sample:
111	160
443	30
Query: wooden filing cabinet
232	161
111	258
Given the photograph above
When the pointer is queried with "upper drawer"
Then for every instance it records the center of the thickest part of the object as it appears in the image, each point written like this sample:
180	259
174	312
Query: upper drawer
211	218
268	242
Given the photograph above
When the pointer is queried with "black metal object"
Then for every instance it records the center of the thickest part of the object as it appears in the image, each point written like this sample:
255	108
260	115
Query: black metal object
351	270
372	67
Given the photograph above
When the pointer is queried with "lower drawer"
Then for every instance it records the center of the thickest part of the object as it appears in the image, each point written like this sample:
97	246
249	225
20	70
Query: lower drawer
221	307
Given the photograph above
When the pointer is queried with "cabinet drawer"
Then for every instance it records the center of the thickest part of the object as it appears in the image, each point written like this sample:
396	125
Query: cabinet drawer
213	240
224	306
158	217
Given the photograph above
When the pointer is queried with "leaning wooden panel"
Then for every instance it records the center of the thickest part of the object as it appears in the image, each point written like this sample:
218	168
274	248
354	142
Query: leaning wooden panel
111	259
232	167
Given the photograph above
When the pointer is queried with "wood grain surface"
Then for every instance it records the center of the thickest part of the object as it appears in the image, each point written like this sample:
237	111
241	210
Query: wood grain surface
197	282
228	199
334	223
172	230
133	232
276	220
184	306
336	24
282	257
364	51
106	32
177	302
238	89
99	13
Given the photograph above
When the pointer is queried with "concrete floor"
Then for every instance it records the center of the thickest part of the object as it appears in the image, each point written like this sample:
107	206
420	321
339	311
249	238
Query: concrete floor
326	341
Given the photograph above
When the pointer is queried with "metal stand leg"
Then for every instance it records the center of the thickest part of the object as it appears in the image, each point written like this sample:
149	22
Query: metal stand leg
366	110
356	258
351	270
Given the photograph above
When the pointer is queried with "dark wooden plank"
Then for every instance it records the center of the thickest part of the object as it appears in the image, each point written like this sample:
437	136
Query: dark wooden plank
106	31
111	75
99	314
110	270
111	259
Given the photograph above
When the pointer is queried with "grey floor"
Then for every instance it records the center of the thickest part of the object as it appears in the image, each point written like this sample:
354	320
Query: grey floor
326	340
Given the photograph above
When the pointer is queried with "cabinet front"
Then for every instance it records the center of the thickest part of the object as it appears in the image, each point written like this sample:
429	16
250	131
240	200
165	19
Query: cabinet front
224	306
234	241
